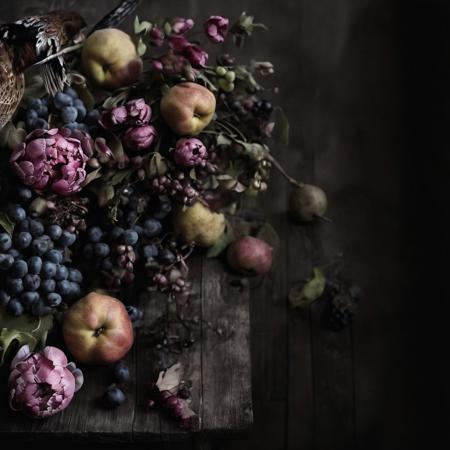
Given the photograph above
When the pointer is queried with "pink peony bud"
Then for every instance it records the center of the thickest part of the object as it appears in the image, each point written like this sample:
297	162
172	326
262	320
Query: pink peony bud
181	25
139	138
50	159
169	64
190	152
156	36
139	113
113	117
178	43
216	28
196	56
42	384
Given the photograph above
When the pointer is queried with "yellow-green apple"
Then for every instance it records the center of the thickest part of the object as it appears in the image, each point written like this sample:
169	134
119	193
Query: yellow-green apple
199	224
97	329
110	59
187	108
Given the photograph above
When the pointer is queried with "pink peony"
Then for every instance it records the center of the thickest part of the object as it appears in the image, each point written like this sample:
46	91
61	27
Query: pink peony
139	138
139	113
216	28
42	384
190	152
51	160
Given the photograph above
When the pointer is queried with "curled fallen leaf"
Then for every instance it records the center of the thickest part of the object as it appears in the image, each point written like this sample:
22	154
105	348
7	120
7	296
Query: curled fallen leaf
303	294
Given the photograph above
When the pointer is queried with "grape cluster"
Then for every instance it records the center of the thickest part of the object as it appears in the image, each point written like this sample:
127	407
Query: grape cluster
34	274
36	115
342	300
71	109
179	188
262	109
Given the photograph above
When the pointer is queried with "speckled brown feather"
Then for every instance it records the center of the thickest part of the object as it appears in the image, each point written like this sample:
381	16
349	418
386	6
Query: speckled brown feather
12	85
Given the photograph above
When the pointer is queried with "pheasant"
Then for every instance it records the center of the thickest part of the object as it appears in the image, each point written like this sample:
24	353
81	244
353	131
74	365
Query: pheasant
43	38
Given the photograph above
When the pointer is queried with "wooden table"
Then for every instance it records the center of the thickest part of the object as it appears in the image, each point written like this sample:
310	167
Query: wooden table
218	366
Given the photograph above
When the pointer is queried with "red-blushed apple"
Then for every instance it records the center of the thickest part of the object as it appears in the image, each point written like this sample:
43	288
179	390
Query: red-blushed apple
110	60
250	256
97	329
188	108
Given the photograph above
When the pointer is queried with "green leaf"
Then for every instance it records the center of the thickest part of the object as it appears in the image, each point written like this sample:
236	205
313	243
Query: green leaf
115	144
268	234
105	193
222	243
156	166
302	295
22	330
92	176
6	224
120	176
115	100
141	47
11	137
141	27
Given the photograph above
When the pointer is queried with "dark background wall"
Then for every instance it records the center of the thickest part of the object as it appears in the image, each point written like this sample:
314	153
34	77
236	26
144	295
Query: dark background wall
365	86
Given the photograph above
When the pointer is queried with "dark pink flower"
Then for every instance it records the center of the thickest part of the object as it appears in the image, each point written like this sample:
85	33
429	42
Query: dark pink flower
139	112
114	117
42	384
178	43
51	160
216	28
180	25
169	64
156	36
139	138
190	152
196	56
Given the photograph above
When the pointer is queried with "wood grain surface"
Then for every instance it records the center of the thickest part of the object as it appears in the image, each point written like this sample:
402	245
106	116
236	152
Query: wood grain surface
365	86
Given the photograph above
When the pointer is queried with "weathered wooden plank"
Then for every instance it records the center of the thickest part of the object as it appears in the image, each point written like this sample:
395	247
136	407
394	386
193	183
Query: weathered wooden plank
227	401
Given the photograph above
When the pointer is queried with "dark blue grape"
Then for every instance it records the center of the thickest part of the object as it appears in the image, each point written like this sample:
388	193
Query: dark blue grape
23	240
88	251
4	297
166	256
69	114
48	286
40	246
74	289
139	230
15	212
14	307
31	116
23	194
61	100
101	249
62	273
27	298
54	256
134	313
24	225
67	239
14	253
107	264
95	234
64	288
5	242
114	397
54	231
121	372
6	261
19	269
150	251
152	228
39	309
164	209
36	228
48	269
14	285
92	117
41	124
54	299
130	237
116	232
72	126
43	112
75	275
35	265
35	103
81	109
31	282
71	92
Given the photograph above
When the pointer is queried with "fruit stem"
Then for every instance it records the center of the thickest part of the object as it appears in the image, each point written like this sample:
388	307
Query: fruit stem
280	169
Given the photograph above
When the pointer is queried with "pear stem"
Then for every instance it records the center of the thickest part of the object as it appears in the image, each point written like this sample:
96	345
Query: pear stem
280	169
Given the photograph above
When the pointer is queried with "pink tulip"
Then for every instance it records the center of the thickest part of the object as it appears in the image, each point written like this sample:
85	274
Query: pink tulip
181	25
42	384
